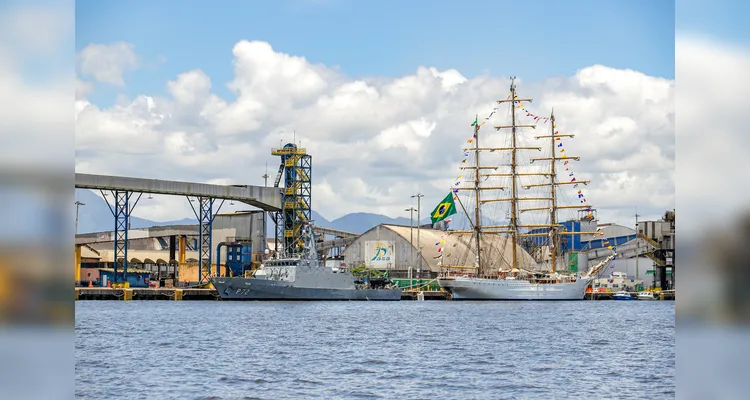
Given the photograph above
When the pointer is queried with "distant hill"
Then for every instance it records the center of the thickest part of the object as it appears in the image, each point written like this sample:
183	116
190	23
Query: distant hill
96	216
361	222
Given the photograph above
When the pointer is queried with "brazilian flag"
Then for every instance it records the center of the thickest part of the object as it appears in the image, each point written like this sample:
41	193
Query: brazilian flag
446	208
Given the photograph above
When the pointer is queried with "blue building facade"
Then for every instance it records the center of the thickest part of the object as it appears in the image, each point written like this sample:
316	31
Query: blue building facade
575	242
136	278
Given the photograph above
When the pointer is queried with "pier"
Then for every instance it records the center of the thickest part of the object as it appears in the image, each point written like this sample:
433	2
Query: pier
107	293
660	295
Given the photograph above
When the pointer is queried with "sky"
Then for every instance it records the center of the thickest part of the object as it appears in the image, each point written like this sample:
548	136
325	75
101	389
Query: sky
722	20
380	125
378	92
383	38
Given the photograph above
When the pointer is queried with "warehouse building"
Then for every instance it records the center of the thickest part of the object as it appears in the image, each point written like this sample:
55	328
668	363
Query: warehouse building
156	249
394	248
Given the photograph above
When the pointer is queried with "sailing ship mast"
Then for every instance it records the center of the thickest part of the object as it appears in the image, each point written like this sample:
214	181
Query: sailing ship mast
514	189
515	199
554	235
513	229
477	222
553	190
514	225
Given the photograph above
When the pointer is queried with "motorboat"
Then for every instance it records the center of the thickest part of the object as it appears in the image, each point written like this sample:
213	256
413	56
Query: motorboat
622	295
646	296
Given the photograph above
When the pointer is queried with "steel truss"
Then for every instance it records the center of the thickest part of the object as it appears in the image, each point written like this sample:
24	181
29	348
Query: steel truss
205	217
121	212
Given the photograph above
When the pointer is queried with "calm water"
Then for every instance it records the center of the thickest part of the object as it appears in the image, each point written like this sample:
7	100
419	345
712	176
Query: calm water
411	350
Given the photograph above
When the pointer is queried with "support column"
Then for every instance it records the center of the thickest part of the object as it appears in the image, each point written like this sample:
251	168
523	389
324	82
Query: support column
183	239
122	215
205	218
204	238
121	212
77	273
172	249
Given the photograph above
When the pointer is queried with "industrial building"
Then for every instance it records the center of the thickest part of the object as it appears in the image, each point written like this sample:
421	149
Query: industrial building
648	256
227	243
170	252
394	248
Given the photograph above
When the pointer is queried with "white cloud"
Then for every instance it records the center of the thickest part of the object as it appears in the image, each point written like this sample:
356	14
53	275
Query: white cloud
107	62
714	92
376	141
32	29
35	117
83	89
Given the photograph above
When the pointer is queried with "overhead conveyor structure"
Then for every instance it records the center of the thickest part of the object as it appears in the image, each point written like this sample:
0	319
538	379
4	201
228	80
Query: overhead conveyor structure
124	189
296	167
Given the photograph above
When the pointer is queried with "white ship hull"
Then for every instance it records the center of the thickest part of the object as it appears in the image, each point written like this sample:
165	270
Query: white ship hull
465	288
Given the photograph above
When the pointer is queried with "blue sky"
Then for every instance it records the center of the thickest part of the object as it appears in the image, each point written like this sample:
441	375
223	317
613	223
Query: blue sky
721	19
532	40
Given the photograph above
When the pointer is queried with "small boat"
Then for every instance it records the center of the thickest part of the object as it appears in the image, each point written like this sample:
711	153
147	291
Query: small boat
622	295
646	296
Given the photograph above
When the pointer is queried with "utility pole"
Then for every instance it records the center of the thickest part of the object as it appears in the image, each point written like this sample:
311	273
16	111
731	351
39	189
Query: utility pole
419	249
265	177
411	233
78	204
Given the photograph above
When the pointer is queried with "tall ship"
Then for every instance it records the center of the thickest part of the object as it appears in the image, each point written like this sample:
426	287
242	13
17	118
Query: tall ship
304	277
503	183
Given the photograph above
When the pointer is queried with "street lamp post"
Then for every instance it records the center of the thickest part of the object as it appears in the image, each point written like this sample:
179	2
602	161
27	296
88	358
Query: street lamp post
419	248
265	177
78	204
411	233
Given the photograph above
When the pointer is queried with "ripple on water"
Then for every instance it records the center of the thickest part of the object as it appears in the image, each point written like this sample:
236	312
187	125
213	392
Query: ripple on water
280	350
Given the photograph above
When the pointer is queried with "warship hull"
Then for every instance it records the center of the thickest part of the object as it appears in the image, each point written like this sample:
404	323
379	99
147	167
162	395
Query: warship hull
466	288
263	289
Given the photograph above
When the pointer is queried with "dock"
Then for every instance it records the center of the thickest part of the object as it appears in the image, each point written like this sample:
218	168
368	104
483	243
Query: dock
425	295
107	293
660	295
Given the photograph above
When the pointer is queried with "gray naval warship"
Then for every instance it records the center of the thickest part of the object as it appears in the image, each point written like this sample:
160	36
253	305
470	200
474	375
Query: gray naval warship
303	277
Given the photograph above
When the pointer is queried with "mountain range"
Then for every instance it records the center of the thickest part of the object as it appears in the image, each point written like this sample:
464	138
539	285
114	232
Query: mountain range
96	216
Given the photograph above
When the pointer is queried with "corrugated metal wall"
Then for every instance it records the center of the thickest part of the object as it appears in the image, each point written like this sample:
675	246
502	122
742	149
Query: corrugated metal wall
241	225
355	253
